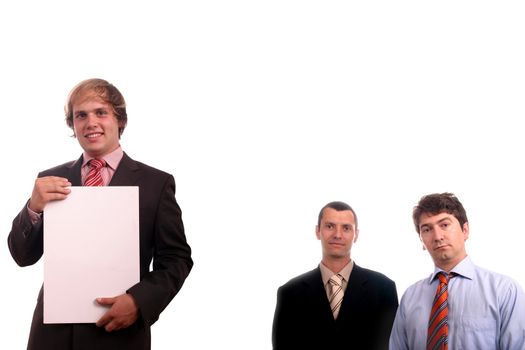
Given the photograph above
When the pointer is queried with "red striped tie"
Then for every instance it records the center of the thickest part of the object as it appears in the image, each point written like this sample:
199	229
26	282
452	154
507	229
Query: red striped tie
437	337
94	177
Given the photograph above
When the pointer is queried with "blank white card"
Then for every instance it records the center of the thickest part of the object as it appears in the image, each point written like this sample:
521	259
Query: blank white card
91	250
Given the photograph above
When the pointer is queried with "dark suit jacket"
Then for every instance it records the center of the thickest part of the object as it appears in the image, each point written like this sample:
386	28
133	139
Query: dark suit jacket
162	240
303	318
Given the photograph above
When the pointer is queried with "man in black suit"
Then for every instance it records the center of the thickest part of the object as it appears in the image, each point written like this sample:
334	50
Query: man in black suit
338	305
96	111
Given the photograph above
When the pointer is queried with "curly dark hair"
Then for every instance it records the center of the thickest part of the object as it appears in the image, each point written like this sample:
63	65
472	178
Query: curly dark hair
437	203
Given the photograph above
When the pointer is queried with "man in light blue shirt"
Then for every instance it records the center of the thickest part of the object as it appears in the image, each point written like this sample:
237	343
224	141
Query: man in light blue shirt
486	310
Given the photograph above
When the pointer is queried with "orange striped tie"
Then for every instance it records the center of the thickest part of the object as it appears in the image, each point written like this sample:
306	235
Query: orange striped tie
437	337
94	177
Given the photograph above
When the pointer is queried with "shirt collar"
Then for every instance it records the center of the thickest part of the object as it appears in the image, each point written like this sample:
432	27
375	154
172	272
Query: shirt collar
326	273
465	268
112	159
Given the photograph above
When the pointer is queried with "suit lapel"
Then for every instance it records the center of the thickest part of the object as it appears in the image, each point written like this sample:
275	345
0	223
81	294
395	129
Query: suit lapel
74	172
354	292
127	173
317	290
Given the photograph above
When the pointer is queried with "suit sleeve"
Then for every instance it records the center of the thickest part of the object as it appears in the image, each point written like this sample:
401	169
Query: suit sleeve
26	241
388	315
279	331
171	258
285	322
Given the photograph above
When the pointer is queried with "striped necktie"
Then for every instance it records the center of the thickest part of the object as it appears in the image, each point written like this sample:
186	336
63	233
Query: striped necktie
94	176
437	337
336	295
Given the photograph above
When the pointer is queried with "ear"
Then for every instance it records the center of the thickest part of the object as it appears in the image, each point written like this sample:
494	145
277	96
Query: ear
121	126
356	235
72	127
466	231
422	243
317	232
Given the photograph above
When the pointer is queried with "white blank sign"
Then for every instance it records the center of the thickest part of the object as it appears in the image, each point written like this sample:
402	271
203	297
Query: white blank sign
91	250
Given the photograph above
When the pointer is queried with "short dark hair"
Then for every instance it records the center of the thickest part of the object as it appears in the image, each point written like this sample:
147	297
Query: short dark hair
102	89
338	206
437	203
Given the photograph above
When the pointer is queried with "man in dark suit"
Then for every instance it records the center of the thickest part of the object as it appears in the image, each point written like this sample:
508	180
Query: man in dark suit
338	305
96	111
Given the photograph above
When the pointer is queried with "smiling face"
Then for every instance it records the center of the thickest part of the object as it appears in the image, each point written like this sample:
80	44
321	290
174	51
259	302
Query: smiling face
337	232
96	126
444	238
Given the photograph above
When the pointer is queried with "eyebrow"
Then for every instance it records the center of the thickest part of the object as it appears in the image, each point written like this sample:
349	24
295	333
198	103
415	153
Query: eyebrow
342	223
446	218
94	109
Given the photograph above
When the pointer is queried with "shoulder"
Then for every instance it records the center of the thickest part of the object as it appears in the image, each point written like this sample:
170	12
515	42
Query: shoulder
59	170
499	281
417	285
302	280
371	275
416	291
152	170
128	162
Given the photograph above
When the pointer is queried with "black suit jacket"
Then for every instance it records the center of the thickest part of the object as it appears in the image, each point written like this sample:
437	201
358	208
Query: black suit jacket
303	318
162	239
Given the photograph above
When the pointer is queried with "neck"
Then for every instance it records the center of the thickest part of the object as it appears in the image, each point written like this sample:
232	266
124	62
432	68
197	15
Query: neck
101	154
447	266
336	265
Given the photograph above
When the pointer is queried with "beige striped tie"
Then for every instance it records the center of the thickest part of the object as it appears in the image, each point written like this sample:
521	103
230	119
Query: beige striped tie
336	296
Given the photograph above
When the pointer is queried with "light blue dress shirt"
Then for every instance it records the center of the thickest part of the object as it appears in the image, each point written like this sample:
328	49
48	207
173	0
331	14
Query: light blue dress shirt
486	311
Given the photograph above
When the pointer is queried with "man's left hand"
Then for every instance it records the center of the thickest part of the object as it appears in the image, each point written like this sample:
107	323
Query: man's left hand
123	312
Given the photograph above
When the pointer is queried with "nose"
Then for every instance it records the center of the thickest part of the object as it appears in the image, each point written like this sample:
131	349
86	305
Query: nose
438	234
91	119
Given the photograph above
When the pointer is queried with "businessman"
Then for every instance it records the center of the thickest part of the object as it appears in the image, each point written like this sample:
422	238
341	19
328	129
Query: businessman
461	305
96	112
338	305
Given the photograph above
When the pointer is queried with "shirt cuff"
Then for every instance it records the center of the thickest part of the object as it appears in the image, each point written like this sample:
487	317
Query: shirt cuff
35	217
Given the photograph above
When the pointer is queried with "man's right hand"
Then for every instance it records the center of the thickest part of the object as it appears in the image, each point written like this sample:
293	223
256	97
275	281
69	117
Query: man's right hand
47	189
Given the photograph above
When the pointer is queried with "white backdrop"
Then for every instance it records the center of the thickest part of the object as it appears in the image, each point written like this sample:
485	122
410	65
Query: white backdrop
264	111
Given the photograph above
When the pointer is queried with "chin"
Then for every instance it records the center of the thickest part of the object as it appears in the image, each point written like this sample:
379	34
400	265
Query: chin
93	152
338	255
